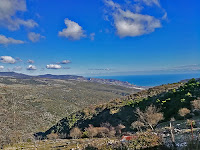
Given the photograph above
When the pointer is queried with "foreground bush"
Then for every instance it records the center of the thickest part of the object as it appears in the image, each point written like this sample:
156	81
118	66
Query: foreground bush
144	140
140	141
75	133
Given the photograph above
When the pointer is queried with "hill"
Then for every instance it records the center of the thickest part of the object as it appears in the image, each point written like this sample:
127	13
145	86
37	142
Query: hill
32	104
71	77
168	98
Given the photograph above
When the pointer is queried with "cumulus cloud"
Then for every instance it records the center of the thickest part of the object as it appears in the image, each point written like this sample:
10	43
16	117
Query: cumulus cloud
8	14
31	67
7	40
1	67
73	31
17	68
30	61
132	23
34	37
53	66
7	59
128	23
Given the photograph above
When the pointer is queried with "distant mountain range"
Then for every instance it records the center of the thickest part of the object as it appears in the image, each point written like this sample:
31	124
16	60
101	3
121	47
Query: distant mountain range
72	77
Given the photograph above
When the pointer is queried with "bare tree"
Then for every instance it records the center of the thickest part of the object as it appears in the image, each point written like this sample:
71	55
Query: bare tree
138	125
150	117
108	129
171	128
196	104
75	133
91	131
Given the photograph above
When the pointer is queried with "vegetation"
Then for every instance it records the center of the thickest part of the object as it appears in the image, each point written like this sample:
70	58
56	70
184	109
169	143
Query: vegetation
183	112
149	118
118	111
32	105
149	111
75	133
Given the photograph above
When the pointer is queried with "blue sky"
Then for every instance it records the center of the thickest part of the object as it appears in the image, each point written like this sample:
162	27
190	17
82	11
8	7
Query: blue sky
103	37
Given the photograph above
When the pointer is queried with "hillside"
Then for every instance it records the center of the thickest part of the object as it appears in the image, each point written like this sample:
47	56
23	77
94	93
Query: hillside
29	105
168	98
72	77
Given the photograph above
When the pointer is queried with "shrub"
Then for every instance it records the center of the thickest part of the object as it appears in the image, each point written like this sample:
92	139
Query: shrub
52	136
109	130
137	125
75	133
102	132
91	131
145	140
106	130
183	112
196	104
189	122
119	129
150	117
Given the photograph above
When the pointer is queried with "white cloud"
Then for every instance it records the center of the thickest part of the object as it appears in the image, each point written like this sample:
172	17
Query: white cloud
92	35
8	14
1	67
30	61
65	62
34	37
73	31
31	67
149	2
53	66
7	59
110	3
7	40
132	23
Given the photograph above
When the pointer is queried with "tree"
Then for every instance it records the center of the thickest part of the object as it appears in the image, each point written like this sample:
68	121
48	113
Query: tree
75	133
183	112
91	131
196	104
150	117
138	125
119	129
108	130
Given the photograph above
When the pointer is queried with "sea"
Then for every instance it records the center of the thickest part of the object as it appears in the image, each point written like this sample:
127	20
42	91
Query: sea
152	80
